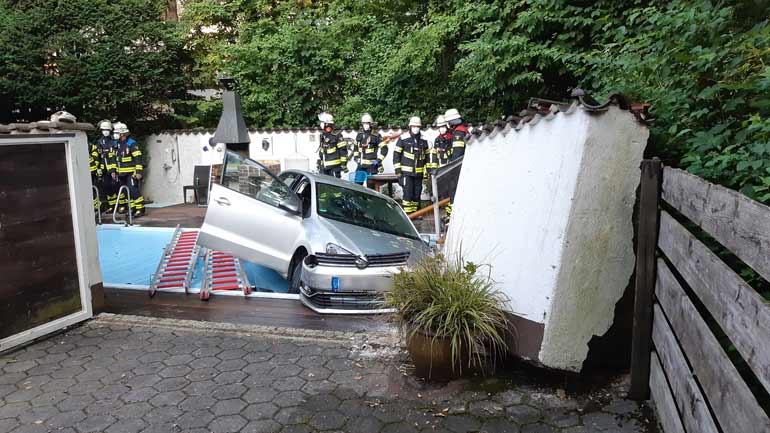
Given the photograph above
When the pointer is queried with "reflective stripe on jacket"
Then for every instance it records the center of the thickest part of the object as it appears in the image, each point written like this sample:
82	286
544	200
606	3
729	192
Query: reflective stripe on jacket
105	148
128	158
411	155
369	148
93	160
459	137
439	153
333	150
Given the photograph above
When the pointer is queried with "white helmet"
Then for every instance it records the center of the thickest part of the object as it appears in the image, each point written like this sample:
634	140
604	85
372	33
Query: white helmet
326	118
120	128
440	121
451	114
367	118
415	121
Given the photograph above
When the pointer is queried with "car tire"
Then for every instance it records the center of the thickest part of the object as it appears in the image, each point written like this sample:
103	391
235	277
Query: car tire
296	273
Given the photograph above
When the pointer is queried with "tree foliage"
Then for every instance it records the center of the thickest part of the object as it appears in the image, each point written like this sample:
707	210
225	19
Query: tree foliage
94	58
705	67
702	64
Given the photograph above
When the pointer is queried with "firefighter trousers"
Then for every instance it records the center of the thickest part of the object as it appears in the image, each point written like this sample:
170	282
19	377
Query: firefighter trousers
412	186
109	189
134	190
332	171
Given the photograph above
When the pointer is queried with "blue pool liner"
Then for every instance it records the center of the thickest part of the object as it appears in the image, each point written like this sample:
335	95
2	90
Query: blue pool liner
130	256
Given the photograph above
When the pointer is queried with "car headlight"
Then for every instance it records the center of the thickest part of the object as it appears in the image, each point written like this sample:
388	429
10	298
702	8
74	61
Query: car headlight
336	250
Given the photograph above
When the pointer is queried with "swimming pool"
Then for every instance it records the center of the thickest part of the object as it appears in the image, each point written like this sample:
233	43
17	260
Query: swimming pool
129	256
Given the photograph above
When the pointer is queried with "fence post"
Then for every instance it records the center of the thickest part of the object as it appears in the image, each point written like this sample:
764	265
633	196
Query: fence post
649	216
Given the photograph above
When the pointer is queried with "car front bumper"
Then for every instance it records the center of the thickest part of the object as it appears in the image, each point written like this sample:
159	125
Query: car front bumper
358	291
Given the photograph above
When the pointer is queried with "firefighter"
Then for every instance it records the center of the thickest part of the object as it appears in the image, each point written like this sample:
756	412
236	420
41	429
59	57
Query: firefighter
439	153
409	158
130	169
458	134
333	151
369	150
94	166
105	160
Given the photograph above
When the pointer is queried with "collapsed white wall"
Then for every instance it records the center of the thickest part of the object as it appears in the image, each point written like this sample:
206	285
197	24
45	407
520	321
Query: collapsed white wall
549	206
172	156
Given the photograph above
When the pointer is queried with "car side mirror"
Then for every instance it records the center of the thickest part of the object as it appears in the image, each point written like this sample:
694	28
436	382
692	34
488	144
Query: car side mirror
428	239
291	204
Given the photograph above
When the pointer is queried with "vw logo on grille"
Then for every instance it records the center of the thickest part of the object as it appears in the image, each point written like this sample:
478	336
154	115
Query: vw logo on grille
361	262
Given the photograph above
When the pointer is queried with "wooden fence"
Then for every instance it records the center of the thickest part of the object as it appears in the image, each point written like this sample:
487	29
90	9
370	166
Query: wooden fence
689	303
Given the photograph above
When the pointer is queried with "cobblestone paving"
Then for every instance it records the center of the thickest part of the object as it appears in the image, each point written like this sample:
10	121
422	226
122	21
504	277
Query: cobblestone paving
109	376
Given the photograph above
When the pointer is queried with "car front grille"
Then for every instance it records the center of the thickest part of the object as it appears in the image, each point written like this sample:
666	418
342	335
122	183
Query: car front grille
375	260
344	301
396	259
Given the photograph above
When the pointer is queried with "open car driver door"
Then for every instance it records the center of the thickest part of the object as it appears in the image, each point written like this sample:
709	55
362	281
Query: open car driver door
252	214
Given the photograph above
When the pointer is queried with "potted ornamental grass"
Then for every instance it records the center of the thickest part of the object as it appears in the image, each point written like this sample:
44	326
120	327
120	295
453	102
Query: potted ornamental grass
451	315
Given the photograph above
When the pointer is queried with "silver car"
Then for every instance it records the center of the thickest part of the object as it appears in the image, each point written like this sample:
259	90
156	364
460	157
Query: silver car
337	243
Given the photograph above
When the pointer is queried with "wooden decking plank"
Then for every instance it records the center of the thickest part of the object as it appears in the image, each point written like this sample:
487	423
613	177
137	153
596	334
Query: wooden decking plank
247	311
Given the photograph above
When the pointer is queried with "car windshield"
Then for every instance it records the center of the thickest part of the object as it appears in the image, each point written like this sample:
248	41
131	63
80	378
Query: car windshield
362	209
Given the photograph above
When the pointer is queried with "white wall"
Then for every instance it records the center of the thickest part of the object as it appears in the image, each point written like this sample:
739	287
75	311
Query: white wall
549	206
598	257
512	206
86	225
172	156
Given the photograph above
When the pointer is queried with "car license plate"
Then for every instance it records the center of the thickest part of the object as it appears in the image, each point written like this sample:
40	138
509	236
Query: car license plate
335	284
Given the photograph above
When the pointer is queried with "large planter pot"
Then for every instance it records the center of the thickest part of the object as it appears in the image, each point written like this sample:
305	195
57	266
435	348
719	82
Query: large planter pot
432	357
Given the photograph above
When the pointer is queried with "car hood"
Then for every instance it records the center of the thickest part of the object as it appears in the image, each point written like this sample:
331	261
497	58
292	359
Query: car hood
365	241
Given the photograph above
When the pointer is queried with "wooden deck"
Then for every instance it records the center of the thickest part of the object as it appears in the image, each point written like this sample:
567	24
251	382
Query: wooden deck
184	215
230	309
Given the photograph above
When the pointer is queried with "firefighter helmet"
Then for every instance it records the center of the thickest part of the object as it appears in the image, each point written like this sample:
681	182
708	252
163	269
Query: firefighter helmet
415	121
440	121
326	118
120	128
451	114
105	125
367	118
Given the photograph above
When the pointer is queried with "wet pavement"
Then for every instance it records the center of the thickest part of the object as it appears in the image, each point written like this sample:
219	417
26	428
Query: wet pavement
130	374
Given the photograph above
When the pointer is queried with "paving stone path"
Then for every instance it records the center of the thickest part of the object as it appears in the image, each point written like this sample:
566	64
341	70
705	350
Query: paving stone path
113	375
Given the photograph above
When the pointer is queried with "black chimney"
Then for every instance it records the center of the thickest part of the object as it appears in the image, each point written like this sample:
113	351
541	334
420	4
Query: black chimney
231	128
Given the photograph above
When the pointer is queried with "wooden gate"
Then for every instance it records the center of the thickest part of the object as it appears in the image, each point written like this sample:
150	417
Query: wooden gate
48	254
701	343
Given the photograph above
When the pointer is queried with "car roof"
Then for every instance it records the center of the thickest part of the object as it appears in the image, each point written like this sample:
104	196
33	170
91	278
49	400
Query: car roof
331	180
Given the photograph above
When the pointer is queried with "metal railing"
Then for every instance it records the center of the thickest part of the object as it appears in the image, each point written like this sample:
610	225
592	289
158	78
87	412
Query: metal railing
115	218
